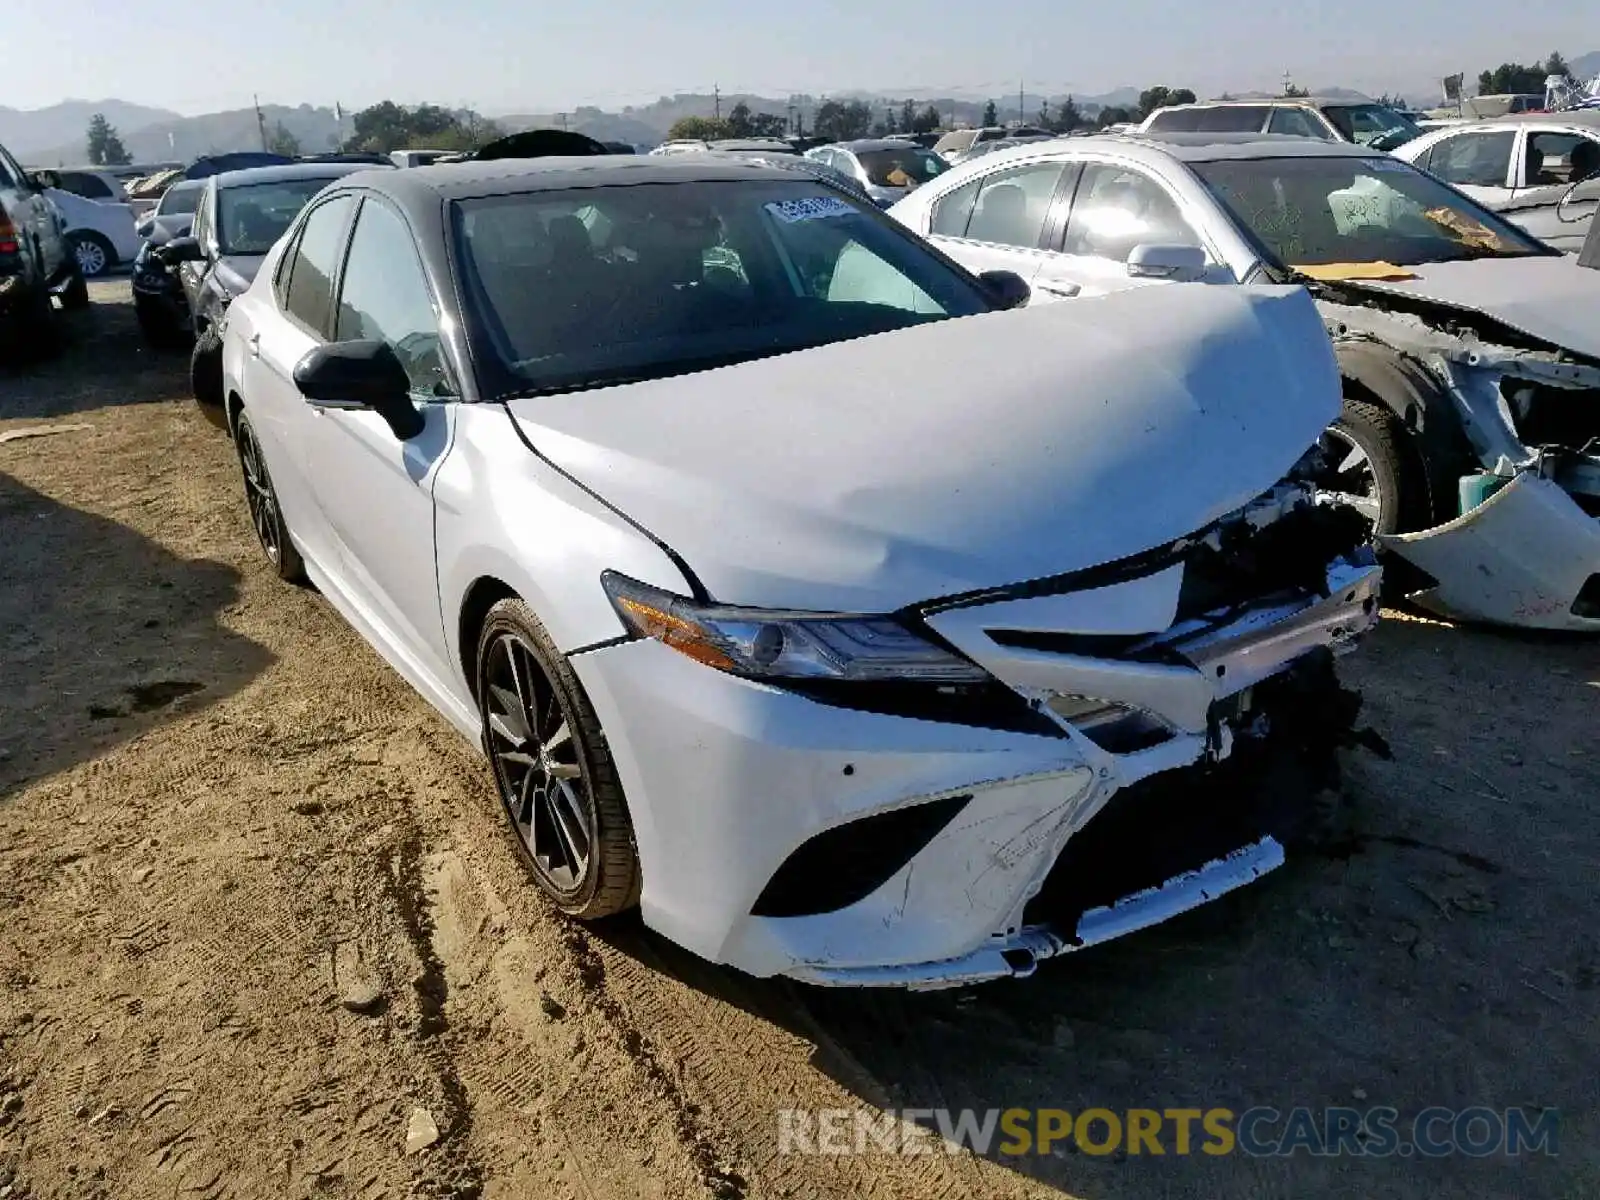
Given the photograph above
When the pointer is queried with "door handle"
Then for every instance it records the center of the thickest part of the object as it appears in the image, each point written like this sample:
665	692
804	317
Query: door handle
1062	289
255	345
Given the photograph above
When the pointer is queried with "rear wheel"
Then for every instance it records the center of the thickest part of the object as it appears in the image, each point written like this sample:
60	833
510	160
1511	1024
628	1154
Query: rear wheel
265	515
554	773
32	331
94	254
76	293
205	368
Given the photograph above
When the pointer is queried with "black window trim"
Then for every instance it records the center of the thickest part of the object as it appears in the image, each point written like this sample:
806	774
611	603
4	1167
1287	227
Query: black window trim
364	198
341	248
1067	167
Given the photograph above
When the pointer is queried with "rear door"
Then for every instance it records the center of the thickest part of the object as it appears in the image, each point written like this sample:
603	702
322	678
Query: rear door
1547	156
1115	208
1477	162
999	221
288	320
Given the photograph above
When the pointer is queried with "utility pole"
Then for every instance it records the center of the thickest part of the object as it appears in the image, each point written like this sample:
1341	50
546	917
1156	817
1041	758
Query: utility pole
716	100
1022	106
261	123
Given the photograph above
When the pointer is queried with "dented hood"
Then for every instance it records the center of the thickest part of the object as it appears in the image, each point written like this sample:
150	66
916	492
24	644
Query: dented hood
872	474
1549	298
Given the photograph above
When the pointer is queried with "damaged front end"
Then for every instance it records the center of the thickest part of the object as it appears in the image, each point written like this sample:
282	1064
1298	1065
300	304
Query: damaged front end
1197	686
1524	547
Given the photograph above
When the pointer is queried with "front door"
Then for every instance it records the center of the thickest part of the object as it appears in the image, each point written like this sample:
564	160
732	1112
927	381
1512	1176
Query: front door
375	491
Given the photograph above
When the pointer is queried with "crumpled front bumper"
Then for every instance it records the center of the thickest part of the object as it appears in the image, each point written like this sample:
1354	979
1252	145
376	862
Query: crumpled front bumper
728	779
1527	556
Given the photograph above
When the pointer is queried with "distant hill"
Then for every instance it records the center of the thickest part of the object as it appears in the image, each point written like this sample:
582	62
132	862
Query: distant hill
1585	67
25	132
184	138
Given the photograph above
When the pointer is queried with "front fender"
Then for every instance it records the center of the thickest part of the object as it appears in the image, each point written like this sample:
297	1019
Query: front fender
503	513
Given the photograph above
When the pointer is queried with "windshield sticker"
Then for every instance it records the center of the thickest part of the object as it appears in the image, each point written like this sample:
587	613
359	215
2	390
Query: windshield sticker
812	208
1370	271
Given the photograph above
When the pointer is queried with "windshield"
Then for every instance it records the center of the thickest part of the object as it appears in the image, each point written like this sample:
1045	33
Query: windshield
251	218
180	199
595	285
1374	125
1304	212
903	166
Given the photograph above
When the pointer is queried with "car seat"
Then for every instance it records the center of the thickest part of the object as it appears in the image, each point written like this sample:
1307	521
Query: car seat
1001	216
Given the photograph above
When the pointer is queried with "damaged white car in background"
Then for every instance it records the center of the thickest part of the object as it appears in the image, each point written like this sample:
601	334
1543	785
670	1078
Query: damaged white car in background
859	631
1470	352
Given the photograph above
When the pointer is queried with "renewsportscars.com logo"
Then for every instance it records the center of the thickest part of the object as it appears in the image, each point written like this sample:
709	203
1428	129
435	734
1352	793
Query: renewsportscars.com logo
1261	1132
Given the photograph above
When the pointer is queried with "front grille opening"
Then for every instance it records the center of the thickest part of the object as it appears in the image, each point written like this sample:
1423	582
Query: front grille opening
844	865
1292	554
1588	602
981	705
1178	821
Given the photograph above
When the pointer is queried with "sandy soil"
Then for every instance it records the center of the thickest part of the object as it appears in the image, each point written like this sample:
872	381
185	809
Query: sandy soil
222	818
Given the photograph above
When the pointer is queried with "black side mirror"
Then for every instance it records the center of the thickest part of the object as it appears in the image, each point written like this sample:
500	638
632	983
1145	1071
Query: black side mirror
362	374
181	250
1009	289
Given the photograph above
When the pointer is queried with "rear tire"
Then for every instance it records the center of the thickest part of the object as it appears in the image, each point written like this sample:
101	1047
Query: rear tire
265	514
76	294
552	768
33	331
205	368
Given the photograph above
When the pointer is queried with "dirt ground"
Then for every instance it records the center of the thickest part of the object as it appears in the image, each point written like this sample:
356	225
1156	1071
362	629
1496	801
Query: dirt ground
221	815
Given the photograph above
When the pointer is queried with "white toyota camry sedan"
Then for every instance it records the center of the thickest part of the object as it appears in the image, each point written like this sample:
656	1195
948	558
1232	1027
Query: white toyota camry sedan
857	630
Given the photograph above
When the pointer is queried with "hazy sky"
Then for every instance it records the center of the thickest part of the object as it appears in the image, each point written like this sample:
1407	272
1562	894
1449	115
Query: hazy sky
511	55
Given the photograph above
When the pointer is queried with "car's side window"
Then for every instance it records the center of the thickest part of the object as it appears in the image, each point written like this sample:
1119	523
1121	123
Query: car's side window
201	229
384	297
953	210
1551	156
280	276
1013	204
1117	209
1474	159
1295	122
309	299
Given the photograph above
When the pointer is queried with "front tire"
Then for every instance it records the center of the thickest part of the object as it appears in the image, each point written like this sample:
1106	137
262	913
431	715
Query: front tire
265	514
1373	468
556	778
94	254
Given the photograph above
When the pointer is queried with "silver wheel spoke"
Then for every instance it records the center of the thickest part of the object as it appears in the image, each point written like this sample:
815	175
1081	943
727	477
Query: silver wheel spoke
566	771
559	738
1354	459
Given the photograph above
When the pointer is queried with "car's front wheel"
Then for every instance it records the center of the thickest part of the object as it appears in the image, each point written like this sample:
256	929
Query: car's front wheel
554	773
1371	467
265	514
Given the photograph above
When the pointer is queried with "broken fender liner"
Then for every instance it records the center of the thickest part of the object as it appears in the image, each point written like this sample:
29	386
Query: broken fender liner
1179	821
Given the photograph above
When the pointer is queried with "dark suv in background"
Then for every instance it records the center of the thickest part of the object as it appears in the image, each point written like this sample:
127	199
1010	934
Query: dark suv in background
36	260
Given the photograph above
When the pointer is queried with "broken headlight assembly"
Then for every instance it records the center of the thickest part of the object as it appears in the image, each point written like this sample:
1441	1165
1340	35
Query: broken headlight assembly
780	645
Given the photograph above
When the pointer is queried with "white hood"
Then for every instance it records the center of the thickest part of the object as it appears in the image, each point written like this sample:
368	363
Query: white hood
1545	297
872	474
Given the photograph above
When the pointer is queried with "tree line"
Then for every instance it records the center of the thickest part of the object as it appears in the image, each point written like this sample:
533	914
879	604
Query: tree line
1516	78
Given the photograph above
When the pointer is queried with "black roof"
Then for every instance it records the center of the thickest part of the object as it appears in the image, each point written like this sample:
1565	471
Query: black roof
508	176
290	171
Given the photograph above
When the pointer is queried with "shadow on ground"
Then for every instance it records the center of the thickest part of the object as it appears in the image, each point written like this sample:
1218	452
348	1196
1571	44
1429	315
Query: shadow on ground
103	633
102	361
1441	950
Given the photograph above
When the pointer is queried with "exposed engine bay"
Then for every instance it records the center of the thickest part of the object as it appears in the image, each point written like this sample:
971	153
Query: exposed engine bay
1512	431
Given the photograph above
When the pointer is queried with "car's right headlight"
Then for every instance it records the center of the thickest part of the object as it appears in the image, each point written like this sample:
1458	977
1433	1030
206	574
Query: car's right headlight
785	645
